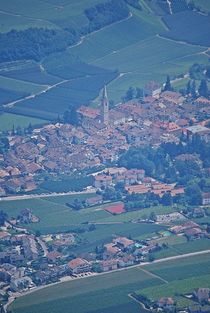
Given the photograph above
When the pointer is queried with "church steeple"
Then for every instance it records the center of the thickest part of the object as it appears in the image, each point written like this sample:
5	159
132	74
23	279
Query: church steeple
105	107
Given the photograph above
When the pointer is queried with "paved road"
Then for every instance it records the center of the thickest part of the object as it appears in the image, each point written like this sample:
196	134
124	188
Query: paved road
46	195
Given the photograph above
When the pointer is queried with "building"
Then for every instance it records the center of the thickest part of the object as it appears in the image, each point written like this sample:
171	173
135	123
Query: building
199	131
123	242
202	294
152	89
103	181
105	107
166	303
206	198
109	265
79	265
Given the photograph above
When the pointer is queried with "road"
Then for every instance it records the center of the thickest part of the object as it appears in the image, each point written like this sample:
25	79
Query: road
47	195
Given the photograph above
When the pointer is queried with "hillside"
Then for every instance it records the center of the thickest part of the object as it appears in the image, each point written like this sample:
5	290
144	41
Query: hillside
138	44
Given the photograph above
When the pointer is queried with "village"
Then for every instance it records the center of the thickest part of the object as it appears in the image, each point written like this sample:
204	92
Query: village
29	260
101	136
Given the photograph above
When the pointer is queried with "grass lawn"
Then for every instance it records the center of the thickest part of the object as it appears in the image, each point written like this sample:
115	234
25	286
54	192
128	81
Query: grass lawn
7	120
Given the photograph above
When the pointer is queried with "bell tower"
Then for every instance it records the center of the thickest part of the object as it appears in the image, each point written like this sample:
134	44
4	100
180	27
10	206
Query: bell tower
105	107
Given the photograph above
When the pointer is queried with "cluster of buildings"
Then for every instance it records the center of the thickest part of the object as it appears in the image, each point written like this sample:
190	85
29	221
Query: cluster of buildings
100	138
134	181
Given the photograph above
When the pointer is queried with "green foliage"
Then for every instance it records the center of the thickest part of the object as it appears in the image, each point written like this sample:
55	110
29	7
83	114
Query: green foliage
168	86
203	89
196	71
3	218
70	116
34	43
104	14
4	144
193	192
136	158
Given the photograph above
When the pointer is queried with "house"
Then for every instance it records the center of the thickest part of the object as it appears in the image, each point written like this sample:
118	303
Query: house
20	284
127	260
173	97
94	200
53	256
123	242
103	181
111	249
206	198
199	131
202	294
166	303
193	233
198	213
109	265
79	265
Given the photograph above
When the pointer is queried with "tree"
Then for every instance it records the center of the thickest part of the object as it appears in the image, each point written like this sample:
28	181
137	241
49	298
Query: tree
194	194
130	94
19	131
203	88
168	86
30	128
188	87
70	116
193	90
153	217
167	199
3	218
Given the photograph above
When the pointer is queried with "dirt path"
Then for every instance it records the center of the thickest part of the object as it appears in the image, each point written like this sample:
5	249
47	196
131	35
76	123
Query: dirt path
153	275
48	87
139	302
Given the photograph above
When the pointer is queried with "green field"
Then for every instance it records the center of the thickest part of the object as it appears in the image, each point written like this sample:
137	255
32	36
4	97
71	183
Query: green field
23	14
181	277
131	46
109	293
55	216
203	4
7	121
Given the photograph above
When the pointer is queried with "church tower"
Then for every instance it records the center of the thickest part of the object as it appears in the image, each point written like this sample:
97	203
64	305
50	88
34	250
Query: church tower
105	107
